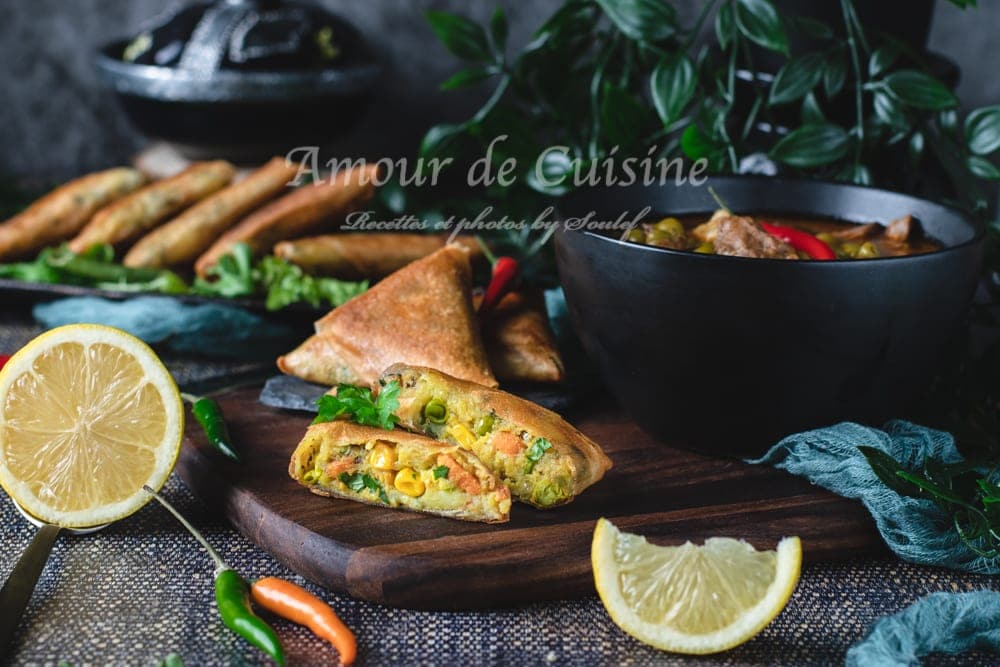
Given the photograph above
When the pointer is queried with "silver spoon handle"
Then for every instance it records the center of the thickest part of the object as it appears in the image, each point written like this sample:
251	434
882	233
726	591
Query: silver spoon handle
19	585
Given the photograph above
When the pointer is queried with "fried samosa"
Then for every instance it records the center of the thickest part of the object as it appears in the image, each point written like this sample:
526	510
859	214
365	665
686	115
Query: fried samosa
361	256
398	469
421	314
545	461
519	343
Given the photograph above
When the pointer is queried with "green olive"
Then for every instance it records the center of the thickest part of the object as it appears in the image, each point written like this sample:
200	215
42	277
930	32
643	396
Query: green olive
636	236
436	412
706	248
671	226
850	249
867	250
827	238
484	424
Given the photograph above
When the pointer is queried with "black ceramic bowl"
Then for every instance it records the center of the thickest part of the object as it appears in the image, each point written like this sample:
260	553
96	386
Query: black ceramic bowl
728	354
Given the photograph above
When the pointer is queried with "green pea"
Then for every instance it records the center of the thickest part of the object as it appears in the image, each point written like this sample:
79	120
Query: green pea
310	476
867	250
484	424
706	248
436	412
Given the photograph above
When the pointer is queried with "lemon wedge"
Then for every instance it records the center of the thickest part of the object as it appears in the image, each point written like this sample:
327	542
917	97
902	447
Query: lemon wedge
88	414
692	599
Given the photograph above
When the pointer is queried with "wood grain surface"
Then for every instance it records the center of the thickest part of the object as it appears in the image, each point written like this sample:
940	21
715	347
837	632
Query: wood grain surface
411	560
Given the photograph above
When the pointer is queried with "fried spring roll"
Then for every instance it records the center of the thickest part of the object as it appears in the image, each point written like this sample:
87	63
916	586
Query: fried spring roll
519	343
360	256
63	212
129	218
295	215
180	241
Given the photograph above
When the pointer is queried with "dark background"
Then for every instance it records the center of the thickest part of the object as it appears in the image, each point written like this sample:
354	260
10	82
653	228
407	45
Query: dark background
56	121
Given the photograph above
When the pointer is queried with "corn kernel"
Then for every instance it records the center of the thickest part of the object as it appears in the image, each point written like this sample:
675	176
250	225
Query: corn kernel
408	481
462	435
383	456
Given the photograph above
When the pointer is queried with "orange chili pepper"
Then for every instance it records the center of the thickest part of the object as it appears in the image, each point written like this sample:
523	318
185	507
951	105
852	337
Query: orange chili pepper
298	605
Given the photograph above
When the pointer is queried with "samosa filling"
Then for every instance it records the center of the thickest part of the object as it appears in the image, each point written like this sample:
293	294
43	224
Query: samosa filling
522	459
400	475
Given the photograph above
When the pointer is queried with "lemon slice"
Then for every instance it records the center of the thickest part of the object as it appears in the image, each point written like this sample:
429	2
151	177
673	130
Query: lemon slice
691	599
88	414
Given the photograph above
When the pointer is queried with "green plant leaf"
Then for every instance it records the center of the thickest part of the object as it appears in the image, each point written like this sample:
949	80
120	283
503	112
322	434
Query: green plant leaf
725	25
811	112
889	112
885	468
759	22
467	77
462	37
621	116
672	86
882	59
982	130
796	79
499	29
812	27
919	90
982	167
811	146
695	144
642	20
556	168
439	139
835	73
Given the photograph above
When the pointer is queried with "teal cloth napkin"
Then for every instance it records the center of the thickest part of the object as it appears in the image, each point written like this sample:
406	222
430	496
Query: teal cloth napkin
939	623
205	329
915	529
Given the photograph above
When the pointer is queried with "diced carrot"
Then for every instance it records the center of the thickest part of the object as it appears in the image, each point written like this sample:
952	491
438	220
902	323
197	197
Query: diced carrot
458	475
334	468
508	443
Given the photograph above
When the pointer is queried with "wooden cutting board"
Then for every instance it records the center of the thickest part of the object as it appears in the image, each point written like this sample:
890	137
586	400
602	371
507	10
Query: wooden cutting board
423	562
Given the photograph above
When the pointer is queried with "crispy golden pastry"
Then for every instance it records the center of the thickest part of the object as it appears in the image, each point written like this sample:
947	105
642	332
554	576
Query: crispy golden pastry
296	214
519	342
63	212
421	314
127	219
182	240
398	469
544	460
361	256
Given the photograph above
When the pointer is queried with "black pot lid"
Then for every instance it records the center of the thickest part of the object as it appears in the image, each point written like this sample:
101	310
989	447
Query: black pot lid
242	50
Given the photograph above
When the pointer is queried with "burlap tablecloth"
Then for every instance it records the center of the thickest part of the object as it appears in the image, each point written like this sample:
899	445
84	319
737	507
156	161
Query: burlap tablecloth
142	588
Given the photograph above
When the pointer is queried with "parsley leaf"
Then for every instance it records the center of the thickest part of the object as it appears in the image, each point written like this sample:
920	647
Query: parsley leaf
440	472
279	281
359	404
536	452
358	481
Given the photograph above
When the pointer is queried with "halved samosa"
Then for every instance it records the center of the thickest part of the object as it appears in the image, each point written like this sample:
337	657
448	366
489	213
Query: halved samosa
519	343
421	314
398	469
544	460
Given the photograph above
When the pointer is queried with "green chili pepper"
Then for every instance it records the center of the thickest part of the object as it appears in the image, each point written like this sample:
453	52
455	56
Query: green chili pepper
232	595
209	416
436	411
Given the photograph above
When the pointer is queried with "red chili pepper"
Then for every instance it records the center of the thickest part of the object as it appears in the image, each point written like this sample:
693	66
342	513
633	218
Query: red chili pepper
505	272
4	358
800	240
